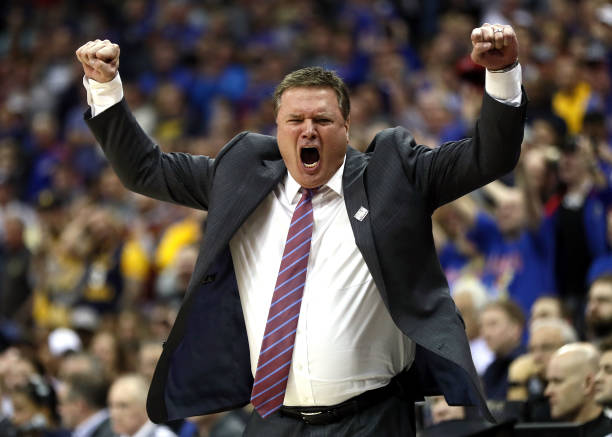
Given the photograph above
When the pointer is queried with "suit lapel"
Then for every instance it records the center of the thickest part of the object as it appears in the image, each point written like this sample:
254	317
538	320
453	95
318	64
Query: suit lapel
222	223
357	205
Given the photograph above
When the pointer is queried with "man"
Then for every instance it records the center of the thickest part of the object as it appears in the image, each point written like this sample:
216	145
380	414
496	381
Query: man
603	378
502	328
570	374
571	388
599	308
79	363
127	404
546	336
470	296
545	307
148	355
580	224
15	283
516	243
82	406
375	303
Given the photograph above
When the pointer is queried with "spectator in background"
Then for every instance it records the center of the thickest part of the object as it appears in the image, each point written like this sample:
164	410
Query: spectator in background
80	363
470	298
546	336
148	355
516	243
502	328
519	373
15	281
35	409
580	225
603	378
126	401
538	171
546	307
49	151
570	100
130	330
60	343
12	206
173	280
599	308
82	405
105	348
571	388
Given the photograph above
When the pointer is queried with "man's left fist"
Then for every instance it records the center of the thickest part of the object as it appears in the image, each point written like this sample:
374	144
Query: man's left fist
494	46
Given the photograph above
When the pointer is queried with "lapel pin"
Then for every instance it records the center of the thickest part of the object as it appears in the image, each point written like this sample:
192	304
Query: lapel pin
361	213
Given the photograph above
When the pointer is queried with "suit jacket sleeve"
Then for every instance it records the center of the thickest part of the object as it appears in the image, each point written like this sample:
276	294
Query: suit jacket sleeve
453	169
142	166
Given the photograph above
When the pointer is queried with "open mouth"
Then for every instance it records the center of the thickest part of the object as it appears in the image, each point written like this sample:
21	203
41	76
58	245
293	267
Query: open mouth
309	157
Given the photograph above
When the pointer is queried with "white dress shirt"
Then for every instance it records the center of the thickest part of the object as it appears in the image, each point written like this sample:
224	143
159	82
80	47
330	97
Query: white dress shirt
346	342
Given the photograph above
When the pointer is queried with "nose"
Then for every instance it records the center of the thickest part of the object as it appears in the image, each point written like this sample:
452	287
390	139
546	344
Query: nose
548	390
309	131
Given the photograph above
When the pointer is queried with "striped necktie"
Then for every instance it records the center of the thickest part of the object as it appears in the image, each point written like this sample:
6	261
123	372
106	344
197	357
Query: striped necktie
276	352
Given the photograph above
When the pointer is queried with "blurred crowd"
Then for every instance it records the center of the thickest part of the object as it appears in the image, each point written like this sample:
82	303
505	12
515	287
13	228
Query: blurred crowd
92	276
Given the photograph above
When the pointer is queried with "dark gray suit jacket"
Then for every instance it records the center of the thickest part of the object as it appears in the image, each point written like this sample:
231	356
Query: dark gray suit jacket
205	365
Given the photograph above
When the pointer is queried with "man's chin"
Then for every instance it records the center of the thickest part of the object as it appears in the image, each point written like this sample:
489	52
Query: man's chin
307	180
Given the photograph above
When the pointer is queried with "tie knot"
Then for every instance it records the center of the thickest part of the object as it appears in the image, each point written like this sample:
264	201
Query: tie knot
307	193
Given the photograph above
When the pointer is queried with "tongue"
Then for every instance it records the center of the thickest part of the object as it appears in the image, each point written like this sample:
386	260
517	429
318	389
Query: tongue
309	155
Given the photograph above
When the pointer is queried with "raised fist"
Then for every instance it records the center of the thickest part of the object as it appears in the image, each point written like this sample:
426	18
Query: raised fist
495	46
100	59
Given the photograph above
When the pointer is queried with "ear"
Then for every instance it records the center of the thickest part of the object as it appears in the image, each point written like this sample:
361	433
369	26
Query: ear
346	126
589	383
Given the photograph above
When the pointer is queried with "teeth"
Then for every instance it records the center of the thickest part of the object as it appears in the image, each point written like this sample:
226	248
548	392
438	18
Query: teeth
313	165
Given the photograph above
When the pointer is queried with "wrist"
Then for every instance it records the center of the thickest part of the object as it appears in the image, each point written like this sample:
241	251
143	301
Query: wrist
506	68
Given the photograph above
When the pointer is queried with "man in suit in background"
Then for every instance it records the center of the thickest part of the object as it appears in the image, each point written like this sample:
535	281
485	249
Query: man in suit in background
357	322
82	406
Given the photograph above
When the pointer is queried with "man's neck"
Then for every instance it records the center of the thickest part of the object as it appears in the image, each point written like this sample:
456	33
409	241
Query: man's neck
588	412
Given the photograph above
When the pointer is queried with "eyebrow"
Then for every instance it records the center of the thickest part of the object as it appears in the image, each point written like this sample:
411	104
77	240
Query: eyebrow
319	115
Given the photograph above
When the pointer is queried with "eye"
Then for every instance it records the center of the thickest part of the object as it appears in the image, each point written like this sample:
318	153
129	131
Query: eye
323	120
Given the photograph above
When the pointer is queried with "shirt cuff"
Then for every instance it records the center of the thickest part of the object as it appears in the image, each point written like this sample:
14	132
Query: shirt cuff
103	95
505	86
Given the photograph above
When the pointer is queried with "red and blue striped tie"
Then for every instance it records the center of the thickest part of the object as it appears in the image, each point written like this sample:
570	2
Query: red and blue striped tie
277	345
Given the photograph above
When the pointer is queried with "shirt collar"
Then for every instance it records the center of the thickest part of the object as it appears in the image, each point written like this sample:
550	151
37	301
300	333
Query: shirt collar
292	188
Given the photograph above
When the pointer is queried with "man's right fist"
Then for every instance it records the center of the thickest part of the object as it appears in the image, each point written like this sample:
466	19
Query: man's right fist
100	59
